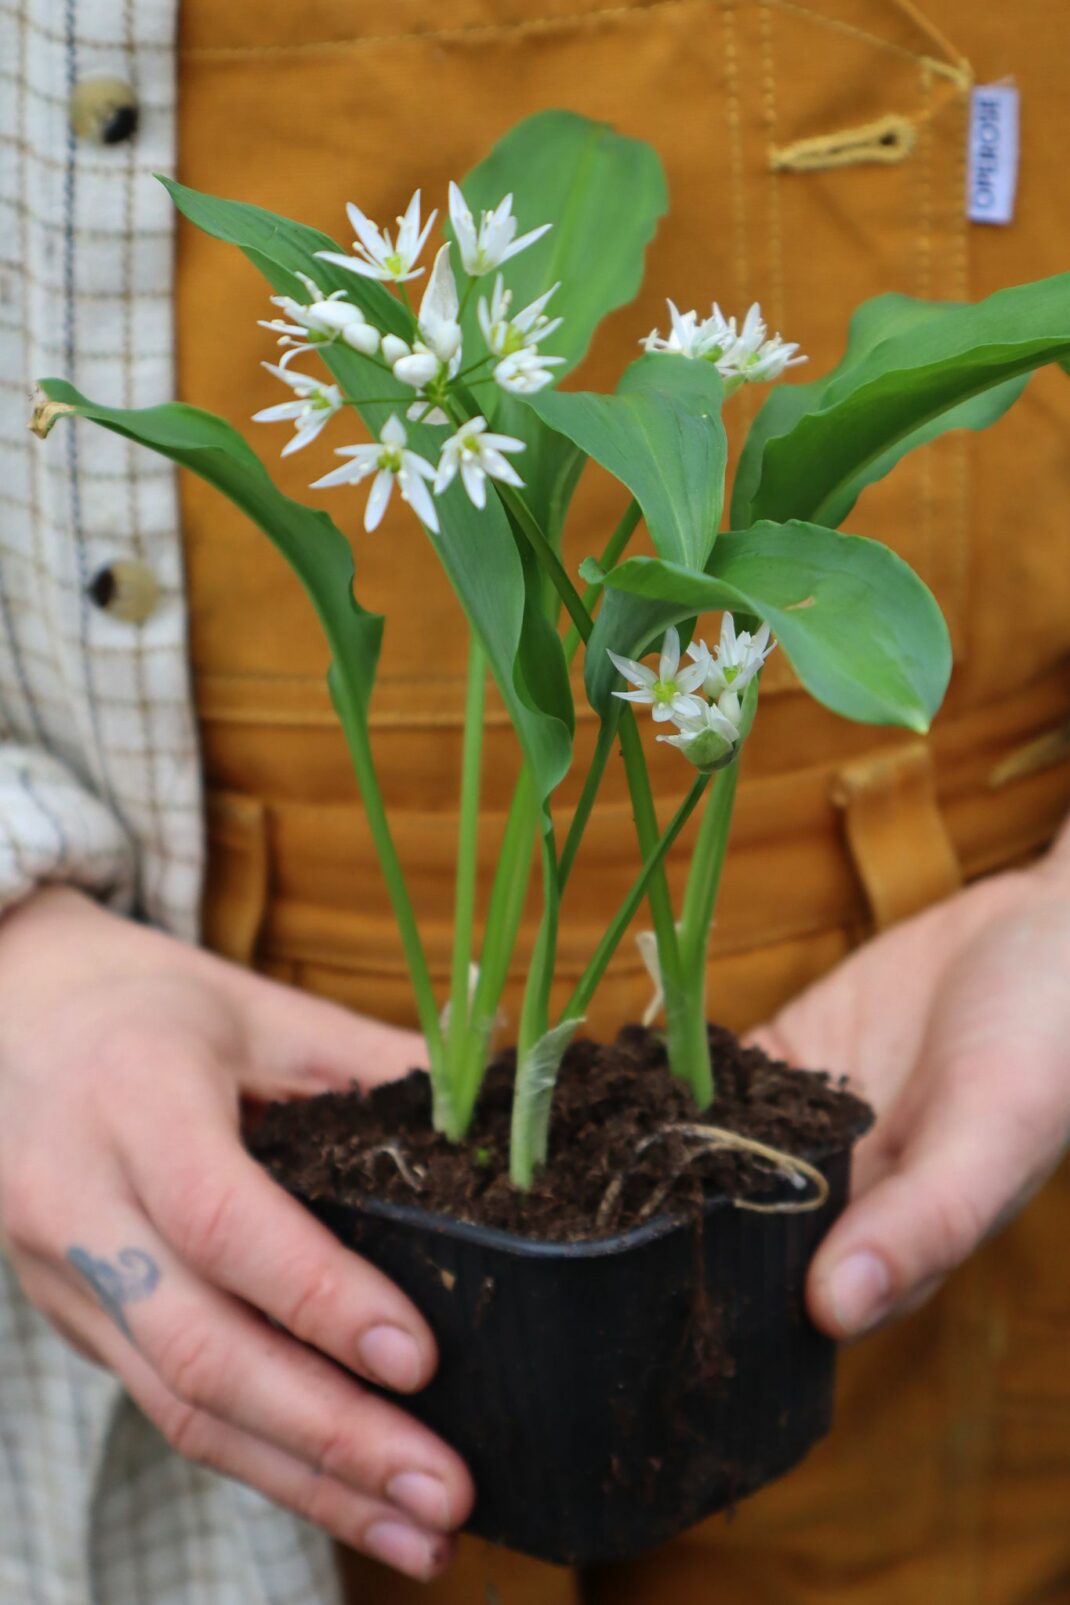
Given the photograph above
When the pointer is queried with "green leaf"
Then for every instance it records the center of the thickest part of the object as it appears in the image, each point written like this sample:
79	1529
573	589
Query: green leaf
668	452
909	373
281	248
604	194
477	549
308	539
536	1077
863	633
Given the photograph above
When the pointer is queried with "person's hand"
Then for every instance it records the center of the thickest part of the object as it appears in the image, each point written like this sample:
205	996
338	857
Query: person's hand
956	1026
139	1226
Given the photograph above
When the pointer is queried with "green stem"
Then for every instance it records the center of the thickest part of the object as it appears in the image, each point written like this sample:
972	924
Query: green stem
612	550
704	879
504	912
463	1041
528	525
687	1035
347	702
646	827
577	1004
607	735
527	1138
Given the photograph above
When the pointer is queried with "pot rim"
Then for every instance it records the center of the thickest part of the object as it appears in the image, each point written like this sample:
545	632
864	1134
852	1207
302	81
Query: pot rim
520	1247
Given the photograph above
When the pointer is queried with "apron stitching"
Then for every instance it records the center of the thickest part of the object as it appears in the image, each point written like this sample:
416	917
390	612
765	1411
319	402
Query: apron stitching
479	33
769	113
486	32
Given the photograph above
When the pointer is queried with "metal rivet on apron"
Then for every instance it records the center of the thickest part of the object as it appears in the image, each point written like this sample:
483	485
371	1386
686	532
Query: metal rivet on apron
126	590
104	110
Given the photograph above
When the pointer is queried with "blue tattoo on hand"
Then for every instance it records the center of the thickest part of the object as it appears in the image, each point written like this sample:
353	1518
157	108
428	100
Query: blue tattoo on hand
131	1276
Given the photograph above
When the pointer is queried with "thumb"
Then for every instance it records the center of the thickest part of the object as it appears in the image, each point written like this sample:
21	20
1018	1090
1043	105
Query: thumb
970	1162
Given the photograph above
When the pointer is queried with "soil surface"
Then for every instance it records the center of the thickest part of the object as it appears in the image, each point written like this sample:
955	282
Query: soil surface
609	1098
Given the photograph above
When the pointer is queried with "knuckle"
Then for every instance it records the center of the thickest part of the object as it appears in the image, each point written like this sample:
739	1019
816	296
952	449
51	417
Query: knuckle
191	1364
189	1432
28	1193
957	1223
202	1214
310	1309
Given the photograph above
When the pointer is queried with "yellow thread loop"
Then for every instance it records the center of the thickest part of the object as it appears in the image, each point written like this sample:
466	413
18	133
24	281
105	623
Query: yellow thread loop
887	140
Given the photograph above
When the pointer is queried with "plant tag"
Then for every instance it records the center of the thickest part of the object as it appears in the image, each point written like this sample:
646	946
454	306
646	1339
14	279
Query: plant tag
993	153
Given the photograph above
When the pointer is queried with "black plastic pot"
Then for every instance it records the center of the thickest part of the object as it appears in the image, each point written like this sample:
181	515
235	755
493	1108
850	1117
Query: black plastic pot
608	1394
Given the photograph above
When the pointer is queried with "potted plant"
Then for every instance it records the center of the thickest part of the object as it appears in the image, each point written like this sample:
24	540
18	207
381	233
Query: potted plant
610	1242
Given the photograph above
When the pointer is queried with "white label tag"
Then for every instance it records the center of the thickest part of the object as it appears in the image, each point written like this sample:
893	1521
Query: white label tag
993	165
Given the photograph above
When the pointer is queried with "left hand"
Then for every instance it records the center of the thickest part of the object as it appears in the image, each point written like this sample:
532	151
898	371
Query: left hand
956	1026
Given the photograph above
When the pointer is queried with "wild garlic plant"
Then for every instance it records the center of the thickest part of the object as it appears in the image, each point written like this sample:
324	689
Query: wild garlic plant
459	392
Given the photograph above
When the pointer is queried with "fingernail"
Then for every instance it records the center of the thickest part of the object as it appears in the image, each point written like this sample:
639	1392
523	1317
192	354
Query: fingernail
421	1496
858	1292
402	1547
390	1356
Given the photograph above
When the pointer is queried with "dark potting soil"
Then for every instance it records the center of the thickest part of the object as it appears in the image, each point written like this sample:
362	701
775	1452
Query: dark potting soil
608	1100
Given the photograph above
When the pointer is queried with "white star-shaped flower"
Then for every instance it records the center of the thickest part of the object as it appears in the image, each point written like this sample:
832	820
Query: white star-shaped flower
389	460
732	665
753	355
670	692
435	355
689	336
314	404
708	738
377	255
320	321
477	456
494	241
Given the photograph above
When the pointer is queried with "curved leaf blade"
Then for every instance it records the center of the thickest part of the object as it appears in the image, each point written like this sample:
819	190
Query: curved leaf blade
863	633
668	448
604	192
910	369
309	540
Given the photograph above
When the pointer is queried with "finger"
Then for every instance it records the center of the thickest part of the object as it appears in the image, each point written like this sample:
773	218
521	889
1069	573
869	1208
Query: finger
969	1163
239	1231
216	1357
374	1527
301	1044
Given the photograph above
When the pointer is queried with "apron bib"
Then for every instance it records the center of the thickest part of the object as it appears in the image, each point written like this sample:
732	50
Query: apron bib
951	1460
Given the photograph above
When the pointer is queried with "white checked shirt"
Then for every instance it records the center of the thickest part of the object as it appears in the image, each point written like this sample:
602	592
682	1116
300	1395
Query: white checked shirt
99	773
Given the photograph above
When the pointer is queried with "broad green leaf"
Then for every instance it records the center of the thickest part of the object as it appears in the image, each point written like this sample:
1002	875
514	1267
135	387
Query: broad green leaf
863	633
308	539
477	549
604	194
910	369
668	452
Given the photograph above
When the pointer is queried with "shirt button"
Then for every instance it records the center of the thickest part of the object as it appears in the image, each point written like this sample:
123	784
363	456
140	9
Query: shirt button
126	590
104	111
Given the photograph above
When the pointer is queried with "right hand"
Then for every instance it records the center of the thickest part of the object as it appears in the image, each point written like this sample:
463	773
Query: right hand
144	1232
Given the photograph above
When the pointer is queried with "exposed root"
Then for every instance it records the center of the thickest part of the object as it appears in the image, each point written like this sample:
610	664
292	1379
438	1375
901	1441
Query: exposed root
412	1174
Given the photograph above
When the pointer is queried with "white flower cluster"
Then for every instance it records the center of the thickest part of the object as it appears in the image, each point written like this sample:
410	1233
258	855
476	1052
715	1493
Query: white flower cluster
707	731
427	363
740	356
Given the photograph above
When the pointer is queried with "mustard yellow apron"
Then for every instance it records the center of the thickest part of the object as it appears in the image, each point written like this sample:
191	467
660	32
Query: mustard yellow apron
948	1477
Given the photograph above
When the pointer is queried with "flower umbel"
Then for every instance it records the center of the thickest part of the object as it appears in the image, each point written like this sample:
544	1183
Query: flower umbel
388	460
733	663
494	241
669	693
708	738
319	322
477	456
314	404
377	255
740	356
